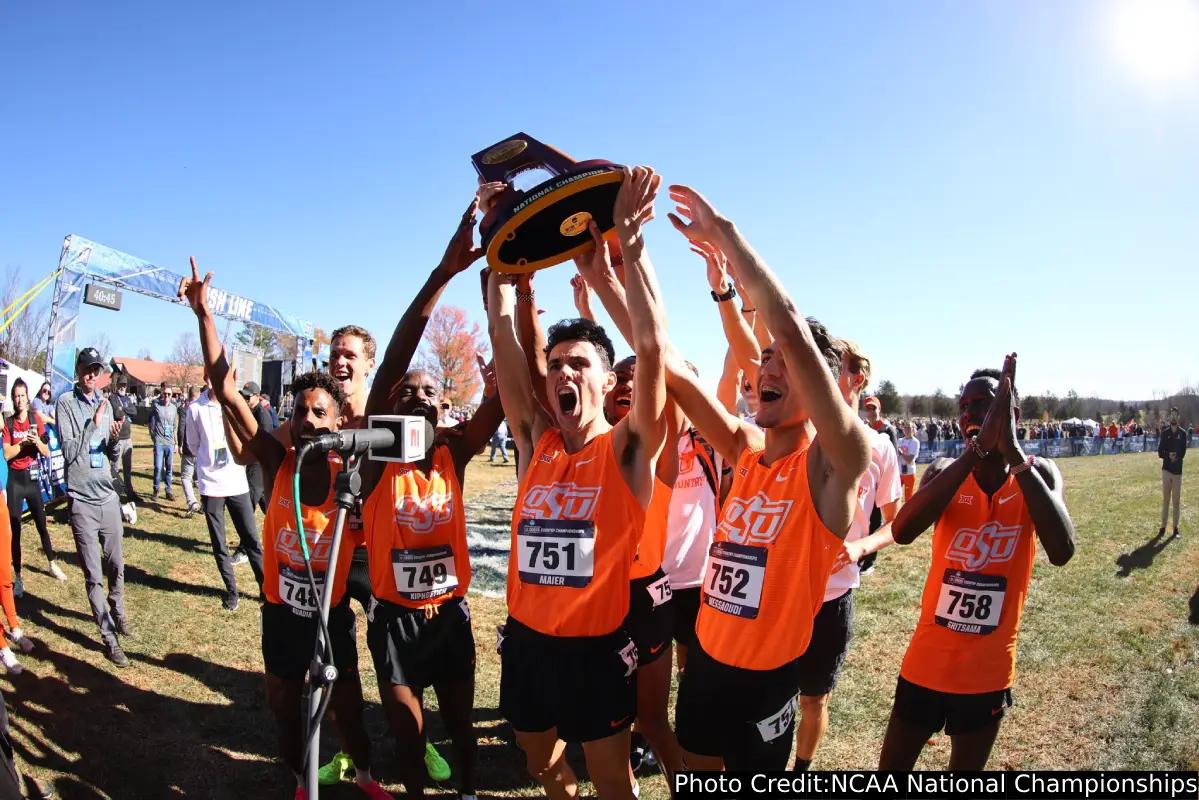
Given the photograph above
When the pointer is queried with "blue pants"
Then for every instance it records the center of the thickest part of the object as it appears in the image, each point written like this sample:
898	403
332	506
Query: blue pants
164	460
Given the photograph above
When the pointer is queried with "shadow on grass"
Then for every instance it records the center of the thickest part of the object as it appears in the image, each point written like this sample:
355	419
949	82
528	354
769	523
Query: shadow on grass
182	542
1143	556
139	576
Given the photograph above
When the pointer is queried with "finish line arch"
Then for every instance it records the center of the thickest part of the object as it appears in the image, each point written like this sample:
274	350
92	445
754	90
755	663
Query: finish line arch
83	261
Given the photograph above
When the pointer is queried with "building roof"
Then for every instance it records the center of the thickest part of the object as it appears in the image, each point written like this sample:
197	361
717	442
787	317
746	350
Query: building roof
152	373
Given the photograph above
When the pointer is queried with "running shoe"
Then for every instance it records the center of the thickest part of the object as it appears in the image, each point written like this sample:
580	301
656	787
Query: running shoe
638	749
375	792
231	602
56	571
301	793
341	768
240	558
116	655
9	660
18	587
22	641
435	765
129	513
192	508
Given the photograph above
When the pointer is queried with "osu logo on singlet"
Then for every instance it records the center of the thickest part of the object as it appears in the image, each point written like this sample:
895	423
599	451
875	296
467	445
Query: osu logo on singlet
560	501
974	548
756	520
423	514
287	548
686	463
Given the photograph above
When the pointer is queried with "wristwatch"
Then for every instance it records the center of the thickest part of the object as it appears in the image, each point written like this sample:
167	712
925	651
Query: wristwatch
722	298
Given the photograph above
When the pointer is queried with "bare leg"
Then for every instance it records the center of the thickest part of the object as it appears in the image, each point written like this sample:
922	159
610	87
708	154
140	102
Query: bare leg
545	758
608	766
902	745
970	751
457	701
406	719
653	697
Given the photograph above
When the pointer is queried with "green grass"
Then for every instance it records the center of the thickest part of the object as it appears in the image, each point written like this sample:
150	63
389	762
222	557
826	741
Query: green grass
1106	676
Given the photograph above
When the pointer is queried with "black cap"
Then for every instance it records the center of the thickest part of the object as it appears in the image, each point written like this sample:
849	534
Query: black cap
251	389
88	356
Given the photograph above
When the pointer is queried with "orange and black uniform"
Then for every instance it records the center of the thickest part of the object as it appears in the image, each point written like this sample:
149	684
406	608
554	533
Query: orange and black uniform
419	630
650	621
290	615
567	661
961	663
767	569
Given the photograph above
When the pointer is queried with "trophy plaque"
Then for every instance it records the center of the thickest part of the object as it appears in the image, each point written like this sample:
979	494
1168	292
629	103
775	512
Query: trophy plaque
524	231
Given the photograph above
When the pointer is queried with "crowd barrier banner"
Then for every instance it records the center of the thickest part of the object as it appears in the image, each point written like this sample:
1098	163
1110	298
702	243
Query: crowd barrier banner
1057	448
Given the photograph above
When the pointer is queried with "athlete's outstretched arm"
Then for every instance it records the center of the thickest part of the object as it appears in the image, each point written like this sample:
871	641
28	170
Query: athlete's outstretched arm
729	384
529	333
527	419
224	388
1041	485
728	435
459	254
483	424
938	486
843	438
644	429
737	331
595	268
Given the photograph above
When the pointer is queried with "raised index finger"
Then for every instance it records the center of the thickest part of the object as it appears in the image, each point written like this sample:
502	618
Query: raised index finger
195	272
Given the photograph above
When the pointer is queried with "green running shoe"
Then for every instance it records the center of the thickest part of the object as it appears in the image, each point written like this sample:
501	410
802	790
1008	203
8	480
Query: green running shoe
435	765
341	768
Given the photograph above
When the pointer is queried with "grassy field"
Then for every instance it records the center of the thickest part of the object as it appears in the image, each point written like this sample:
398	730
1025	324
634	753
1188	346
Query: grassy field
1107	672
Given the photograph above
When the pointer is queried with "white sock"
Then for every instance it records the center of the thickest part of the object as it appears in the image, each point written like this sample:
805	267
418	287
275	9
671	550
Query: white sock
636	789
362	776
17	633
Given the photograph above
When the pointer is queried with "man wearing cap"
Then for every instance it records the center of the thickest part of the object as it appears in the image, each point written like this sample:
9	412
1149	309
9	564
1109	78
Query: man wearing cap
253	394
222	485
164	422
89	439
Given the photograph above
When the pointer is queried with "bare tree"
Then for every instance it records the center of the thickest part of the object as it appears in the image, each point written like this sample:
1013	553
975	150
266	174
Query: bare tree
23	342
186	356
102	344
144	354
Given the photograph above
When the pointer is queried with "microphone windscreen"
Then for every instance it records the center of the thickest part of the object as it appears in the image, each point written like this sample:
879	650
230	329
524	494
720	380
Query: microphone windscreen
429	434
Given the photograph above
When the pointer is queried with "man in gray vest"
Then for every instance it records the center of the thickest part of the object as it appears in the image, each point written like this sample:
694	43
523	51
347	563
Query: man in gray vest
89	438
164	424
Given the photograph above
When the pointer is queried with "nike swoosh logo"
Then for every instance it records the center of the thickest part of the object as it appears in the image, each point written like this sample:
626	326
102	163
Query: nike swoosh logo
620	722
1003	500
783	478
656	649
581	463
999	710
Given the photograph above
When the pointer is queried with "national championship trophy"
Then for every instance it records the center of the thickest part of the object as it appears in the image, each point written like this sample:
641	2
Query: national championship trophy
524	231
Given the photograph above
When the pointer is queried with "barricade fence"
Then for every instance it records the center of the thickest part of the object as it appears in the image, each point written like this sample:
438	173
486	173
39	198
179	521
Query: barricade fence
1057	448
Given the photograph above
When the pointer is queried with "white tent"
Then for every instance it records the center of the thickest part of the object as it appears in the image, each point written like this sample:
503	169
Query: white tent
1073	421
1090	423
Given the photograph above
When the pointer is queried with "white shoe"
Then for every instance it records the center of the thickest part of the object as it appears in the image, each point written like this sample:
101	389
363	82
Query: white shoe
129	513
56	571
22	641
10	661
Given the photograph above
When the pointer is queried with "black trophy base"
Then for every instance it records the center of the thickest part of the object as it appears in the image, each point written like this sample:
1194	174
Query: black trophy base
548	224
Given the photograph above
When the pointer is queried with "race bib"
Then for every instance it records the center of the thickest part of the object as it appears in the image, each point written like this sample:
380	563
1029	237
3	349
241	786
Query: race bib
295	591
779	724
659	590
628	654
96	453
733	581
556	552
969	602
33	473
166	430
220	458
424	574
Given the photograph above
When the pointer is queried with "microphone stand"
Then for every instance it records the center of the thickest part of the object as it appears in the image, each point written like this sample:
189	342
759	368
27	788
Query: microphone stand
346	487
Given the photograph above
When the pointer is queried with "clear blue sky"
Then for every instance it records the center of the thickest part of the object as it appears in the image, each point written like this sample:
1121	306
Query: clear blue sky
942	181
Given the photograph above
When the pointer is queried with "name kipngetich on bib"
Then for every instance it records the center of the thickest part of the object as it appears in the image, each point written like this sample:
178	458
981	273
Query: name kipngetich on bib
556	552
734	578
295	591
424	574
970	602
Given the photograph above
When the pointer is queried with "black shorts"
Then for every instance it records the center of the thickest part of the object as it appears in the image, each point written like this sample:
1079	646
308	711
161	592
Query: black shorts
745	716
650	621
820	665
415	650
289	640
584	686
685	605
930	710
358	580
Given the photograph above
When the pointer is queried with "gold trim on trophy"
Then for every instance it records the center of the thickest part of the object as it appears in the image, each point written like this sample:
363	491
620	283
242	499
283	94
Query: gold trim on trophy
575	224
504	151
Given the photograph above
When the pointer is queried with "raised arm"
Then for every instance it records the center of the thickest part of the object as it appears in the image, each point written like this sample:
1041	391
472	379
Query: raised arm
729	384
737	331
483	423
728	435
582	293
527	419
644	429
529	333
269	452
595	269
843	439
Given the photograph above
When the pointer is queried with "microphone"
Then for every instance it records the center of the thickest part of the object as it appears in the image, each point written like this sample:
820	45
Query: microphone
386	438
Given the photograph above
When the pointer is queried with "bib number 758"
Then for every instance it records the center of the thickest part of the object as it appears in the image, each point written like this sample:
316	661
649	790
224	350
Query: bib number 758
970	602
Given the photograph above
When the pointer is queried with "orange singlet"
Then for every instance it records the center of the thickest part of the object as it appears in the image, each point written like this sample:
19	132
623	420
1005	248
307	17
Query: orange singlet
285	579
417	534
983	549
767	567
652	547
575	530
